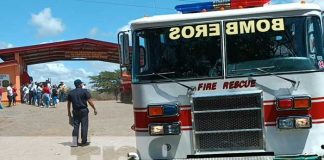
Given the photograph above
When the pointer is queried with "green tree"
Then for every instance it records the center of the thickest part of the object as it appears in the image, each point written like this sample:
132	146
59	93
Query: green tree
106	81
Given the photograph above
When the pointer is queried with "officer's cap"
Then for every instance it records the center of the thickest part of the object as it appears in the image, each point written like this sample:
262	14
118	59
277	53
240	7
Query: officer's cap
77	82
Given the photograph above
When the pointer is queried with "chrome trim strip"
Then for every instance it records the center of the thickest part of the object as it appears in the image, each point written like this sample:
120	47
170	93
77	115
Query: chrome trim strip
186	127
269	103
234	152
185	108
141	129
195	150
236	93
270	123
140	110
262	121
227	110
226	131
318	100
318	120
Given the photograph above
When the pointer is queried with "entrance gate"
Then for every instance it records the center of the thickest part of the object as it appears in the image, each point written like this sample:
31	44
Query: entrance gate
16	60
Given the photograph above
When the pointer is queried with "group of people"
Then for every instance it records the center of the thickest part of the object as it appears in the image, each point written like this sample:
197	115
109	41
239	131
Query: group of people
44	94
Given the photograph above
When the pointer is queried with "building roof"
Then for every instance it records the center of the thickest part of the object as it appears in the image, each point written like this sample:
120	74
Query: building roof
79	49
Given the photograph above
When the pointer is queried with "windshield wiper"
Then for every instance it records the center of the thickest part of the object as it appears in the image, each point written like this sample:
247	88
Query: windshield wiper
261	69
162	75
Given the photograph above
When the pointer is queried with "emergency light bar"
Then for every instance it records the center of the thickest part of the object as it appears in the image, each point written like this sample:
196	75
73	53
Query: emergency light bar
219	5
294	122
293	103
158	129
163	110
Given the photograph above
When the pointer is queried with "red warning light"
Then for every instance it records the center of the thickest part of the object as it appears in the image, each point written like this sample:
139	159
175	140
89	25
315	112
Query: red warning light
236	4
220	5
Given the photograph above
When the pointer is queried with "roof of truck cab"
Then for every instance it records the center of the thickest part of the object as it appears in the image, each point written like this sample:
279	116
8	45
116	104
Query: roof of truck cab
289	8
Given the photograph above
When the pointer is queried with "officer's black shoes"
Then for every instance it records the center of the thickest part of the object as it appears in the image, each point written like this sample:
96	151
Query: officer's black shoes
74	145
85	144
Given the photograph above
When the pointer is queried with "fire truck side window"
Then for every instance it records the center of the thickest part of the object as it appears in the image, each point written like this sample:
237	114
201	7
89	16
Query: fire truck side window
273	49
314	43
195	57
142	51
312	48
323	30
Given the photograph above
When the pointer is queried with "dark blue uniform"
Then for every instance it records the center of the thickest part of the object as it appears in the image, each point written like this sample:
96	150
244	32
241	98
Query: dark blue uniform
79	97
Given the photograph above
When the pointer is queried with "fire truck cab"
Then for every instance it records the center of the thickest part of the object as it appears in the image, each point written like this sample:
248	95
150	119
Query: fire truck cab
228	79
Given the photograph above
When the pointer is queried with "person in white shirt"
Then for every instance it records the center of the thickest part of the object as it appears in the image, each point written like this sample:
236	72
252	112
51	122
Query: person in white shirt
10	94
25	94
32	93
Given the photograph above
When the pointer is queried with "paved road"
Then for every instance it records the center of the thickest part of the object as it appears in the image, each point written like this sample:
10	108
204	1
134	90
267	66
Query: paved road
29	133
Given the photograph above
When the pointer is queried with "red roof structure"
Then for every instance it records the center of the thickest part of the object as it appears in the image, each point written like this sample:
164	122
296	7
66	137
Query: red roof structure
79	49
17	59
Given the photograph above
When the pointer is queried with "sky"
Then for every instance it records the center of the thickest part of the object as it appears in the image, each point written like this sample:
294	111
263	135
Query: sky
31	22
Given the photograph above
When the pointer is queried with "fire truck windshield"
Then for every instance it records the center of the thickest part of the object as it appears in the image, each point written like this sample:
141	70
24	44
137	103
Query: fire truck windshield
296	48
186	57
291	44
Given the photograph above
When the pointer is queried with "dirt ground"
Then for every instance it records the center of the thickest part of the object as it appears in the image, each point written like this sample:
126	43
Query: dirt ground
29	132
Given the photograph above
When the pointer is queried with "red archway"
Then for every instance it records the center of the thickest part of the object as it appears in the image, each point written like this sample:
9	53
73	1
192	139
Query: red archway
17	59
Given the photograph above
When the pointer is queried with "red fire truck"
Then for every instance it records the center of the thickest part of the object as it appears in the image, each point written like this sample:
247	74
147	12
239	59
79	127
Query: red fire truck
239	79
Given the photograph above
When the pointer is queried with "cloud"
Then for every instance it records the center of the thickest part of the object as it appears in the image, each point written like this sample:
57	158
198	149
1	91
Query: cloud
52	41
104	66
4	45
57	72
126	27
283	1
320	2
47	25
95	32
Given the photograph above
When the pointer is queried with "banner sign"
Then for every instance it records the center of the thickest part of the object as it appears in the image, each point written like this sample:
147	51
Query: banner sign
4	80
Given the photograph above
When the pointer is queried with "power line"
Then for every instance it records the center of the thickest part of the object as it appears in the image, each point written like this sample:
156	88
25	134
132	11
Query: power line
123	4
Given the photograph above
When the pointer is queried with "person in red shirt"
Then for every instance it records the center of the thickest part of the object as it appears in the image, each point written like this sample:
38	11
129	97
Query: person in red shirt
46	95
1	98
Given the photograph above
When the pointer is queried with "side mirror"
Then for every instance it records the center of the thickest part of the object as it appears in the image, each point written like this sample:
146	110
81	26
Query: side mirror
124	55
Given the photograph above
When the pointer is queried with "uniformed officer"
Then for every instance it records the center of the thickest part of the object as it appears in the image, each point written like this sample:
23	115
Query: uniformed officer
79	98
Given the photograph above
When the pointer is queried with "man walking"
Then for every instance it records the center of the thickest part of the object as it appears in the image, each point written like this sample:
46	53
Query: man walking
1	98
62	91
10	94
79	98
